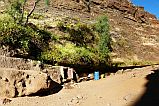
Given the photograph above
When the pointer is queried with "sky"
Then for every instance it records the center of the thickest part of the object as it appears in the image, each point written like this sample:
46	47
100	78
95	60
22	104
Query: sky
151	6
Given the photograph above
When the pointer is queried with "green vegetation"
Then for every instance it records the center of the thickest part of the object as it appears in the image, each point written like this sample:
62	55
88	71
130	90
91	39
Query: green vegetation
77	46
17	10
102	27
80	44
26	41
80	34
70	54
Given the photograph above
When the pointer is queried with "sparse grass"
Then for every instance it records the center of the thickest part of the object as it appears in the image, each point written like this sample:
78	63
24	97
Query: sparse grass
122	42
37	16
134	63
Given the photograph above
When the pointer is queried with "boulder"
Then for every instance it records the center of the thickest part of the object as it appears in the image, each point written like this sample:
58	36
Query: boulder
15	83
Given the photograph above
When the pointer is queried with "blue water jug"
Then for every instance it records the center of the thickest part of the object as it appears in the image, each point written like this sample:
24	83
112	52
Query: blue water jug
96	75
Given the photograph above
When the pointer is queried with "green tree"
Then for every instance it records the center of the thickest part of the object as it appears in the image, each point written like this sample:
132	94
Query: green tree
26	40
102	27
17	10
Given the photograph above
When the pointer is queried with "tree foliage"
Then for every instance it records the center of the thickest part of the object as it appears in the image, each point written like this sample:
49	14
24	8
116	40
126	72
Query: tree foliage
102	27
24	41
18	11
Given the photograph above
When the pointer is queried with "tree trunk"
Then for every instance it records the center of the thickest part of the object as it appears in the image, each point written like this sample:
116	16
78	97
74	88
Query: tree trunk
31	11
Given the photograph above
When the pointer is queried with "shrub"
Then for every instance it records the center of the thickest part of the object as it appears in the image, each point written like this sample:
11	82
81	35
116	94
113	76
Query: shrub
69	54
80	34
29	41
15	10
83	36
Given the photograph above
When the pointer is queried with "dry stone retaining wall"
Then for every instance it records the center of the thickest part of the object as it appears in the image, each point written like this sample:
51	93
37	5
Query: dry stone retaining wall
19	63
27	64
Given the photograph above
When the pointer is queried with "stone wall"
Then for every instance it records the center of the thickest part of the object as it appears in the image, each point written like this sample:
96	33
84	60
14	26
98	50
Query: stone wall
19	63
28	64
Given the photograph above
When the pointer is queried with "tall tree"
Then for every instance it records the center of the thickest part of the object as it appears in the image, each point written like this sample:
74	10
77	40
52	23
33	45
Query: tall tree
17	10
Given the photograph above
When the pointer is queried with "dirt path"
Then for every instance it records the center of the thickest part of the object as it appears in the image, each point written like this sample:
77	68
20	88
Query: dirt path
126	89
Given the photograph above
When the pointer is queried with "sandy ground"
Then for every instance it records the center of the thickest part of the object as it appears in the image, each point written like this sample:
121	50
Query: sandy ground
134	88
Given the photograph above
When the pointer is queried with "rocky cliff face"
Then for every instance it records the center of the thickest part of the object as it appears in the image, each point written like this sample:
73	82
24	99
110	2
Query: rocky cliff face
137	13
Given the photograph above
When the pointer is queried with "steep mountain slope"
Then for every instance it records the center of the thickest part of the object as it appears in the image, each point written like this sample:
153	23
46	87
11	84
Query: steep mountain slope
134	32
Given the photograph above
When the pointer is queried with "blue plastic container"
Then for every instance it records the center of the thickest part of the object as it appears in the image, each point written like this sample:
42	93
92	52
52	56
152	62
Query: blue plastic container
96	75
